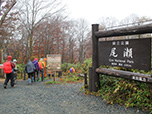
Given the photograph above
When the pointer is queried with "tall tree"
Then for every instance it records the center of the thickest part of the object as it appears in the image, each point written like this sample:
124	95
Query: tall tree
35	11
82	36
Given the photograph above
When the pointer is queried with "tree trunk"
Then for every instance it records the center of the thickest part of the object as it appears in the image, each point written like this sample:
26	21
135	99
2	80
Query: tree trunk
1	60
31	46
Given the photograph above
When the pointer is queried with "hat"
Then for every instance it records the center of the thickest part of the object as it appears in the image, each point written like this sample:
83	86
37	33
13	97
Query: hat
14	60
35	59
9	57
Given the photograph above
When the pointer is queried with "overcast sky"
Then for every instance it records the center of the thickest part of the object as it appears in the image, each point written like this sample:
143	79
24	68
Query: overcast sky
93	10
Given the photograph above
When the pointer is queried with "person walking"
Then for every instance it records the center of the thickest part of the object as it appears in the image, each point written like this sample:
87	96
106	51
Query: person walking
41	68
37	69
8	69
30	68
15	70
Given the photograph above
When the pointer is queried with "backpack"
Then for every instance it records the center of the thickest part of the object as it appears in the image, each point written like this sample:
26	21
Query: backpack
71	70
12	64
7	67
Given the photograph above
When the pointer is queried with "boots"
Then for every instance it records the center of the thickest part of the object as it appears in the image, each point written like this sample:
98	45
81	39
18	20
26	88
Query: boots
29	81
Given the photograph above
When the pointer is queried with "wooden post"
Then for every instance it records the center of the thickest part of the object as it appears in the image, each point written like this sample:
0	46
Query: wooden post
85	81
95	80
54	74
24	75
90	79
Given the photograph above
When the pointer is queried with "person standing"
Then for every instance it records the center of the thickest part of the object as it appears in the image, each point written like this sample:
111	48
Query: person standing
37	68
45	62
8	69
30	68
41	68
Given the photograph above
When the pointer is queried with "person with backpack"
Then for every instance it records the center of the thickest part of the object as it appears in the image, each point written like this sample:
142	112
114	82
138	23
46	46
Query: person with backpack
37	68
72	70
30	68
41	68
8	69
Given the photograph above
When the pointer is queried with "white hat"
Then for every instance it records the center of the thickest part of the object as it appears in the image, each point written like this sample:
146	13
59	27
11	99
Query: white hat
14	60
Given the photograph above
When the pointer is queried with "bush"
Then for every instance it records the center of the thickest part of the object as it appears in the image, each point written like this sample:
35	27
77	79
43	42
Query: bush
128	92
20	67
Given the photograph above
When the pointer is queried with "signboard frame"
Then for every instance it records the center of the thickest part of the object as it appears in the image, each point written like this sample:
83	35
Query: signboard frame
53	63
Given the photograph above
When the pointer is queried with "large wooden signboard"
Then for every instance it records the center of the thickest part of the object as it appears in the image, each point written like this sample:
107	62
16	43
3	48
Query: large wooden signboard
130	53
53	63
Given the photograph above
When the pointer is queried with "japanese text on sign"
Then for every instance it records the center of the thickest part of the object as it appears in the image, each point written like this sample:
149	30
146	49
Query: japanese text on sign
131	53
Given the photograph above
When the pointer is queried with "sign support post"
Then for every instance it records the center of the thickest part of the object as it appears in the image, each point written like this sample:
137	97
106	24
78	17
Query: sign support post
95	79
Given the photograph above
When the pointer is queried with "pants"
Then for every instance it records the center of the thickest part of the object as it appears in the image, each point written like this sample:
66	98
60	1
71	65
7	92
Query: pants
38	74
42	72
15	77
9	76
45	72
30	75
34	74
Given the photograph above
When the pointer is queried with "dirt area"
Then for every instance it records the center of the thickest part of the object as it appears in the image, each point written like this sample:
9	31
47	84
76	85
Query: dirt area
2	80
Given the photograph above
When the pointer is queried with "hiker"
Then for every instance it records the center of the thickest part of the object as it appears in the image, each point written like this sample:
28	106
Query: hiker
15	70
8	69
72	70
30	68
44	60
41	68
37	69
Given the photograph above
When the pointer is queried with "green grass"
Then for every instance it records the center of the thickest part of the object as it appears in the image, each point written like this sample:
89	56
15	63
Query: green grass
52	82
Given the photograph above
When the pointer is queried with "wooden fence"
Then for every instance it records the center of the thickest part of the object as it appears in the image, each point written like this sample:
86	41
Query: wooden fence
94	71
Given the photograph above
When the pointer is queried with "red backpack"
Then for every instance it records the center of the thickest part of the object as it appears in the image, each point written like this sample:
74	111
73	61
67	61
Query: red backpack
7	67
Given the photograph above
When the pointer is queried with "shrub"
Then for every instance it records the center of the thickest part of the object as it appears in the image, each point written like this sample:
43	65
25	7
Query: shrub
128	92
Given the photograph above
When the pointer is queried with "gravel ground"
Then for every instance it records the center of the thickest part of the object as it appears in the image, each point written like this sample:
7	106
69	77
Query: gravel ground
55	99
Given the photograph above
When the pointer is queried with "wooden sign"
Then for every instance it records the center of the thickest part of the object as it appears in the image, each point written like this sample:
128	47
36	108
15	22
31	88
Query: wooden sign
130	53
53	63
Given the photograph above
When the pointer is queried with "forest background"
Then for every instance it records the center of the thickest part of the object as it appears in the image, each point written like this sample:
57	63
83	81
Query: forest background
35	28
39	27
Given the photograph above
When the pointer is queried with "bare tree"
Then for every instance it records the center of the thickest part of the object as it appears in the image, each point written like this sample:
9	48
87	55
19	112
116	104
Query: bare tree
107	22
82	37
35	11
7	11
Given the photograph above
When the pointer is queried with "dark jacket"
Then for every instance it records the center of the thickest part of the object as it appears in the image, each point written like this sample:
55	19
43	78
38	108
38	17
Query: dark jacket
29	68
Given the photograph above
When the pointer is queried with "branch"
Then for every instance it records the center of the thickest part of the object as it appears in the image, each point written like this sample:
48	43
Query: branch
5	14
